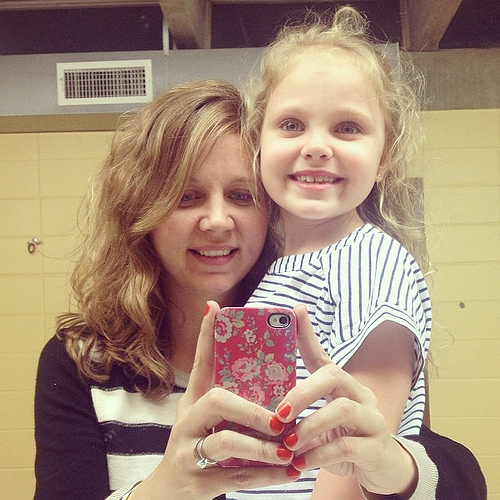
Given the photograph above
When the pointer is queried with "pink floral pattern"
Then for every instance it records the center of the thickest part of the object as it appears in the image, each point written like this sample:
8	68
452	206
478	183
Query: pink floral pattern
252	358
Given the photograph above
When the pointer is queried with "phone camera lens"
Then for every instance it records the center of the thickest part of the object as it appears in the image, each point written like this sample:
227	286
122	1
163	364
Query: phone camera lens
279	320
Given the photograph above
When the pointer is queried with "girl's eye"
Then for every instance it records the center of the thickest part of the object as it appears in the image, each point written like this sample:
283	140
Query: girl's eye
241	197
348	129
291	126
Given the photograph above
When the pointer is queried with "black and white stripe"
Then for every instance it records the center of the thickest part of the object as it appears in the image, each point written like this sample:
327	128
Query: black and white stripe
349	289
135	430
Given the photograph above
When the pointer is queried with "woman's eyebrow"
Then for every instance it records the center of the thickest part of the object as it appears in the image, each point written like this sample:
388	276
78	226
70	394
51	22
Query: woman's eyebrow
193	181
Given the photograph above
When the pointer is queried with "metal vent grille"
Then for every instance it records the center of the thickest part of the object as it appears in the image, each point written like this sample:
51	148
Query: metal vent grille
104	82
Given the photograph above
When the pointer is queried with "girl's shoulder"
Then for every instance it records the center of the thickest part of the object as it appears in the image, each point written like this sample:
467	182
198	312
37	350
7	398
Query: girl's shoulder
365	235
364	240
367	247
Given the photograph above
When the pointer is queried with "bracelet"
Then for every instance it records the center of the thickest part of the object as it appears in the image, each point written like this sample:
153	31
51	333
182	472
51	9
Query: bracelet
127	494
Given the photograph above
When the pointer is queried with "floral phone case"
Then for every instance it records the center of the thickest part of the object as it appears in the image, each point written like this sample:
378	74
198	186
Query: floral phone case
255	356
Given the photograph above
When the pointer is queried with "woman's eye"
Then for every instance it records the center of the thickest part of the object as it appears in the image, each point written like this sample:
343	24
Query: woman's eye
348	129
188	199
242	197
290	126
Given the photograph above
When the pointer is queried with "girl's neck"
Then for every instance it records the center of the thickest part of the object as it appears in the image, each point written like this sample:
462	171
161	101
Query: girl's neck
304	236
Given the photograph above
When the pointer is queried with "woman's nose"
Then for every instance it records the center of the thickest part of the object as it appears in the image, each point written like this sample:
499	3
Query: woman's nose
217	217
317	147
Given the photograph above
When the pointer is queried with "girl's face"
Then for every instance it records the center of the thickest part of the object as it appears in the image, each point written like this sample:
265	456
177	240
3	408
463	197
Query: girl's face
217	233
321	147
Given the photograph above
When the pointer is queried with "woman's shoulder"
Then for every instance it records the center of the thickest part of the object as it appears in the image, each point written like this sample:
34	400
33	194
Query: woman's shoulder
56	350
57	372
56	364
55	353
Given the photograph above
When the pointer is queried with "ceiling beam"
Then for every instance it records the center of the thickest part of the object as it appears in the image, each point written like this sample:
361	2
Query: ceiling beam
71	4
189	22
275	1
424	22
269	1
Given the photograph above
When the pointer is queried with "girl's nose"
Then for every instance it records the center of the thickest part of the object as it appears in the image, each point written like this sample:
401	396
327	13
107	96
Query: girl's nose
217	217
317	148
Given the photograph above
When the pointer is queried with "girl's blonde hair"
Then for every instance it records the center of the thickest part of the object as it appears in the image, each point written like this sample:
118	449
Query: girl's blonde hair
117	279
395	203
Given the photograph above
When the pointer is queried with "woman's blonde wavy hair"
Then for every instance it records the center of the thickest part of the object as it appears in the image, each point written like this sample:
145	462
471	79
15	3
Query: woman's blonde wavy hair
117	280
395	203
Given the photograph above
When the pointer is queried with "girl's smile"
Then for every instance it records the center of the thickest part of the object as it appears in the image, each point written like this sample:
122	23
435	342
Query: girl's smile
315	179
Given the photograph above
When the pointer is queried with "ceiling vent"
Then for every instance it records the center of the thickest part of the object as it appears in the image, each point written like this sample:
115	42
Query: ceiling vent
104	82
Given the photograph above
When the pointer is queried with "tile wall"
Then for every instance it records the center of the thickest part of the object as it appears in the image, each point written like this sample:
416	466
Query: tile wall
43	177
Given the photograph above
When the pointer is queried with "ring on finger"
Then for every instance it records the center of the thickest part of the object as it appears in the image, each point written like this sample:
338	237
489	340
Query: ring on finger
202	461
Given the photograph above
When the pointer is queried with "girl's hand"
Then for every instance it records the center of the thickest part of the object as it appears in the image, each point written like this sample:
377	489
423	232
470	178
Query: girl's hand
349	435
199	410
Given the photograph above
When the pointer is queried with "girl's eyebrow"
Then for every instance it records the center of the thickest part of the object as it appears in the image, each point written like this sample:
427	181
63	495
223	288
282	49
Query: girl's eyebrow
345	112
284	107
356	113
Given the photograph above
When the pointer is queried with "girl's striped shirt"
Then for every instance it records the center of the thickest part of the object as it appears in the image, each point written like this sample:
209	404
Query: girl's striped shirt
349	289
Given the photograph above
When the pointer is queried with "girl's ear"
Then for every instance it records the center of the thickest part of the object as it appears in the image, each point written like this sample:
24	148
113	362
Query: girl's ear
383	166
382	169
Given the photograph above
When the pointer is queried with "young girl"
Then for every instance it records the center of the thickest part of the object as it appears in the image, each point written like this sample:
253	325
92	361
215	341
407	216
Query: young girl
336	124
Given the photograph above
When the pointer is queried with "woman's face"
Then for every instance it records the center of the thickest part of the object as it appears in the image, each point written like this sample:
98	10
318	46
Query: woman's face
217	233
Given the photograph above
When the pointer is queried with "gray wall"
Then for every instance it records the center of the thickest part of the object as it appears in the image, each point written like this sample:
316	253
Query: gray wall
28	84
456	79
461	78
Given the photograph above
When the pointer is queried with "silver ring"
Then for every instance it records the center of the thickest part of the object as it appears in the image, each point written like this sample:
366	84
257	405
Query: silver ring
202	461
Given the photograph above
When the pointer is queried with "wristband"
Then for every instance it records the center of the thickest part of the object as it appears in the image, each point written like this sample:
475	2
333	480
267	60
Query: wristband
127	494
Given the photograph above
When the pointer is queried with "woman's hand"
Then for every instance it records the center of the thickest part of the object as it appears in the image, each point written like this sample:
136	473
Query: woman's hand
349	435
199	410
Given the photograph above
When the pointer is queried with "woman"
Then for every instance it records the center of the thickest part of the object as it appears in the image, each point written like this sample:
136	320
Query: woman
173	224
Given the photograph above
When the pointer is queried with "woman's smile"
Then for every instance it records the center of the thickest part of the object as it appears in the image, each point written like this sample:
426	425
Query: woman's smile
214	256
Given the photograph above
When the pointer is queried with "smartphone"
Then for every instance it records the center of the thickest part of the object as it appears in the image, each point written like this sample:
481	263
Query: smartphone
255	357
